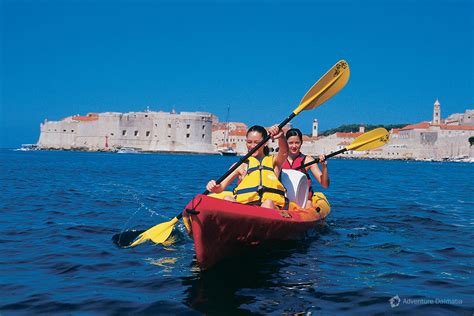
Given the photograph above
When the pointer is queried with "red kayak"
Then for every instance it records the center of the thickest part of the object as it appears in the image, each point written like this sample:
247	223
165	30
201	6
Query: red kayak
223	229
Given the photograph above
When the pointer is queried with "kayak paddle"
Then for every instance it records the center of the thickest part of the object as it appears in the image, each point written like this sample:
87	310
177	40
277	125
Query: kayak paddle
371	140
325	88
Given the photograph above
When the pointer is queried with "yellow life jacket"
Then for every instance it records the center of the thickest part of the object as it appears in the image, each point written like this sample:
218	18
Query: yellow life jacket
260	183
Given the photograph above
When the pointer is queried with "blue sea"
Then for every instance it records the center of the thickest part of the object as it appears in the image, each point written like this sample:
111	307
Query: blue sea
399	240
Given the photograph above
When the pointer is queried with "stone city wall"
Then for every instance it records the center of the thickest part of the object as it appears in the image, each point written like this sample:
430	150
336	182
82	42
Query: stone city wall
188	132
425	145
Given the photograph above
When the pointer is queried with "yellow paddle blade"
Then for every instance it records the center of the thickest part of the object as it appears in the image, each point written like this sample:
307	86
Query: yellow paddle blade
370	140
326	87
158	233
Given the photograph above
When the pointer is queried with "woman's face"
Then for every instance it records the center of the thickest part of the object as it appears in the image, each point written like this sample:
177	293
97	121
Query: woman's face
294	143
253	139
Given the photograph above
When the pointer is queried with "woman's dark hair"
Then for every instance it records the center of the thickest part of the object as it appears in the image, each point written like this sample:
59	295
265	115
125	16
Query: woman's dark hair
262	131
294	132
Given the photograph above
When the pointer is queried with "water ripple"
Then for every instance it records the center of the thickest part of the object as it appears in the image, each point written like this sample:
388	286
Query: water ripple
397	229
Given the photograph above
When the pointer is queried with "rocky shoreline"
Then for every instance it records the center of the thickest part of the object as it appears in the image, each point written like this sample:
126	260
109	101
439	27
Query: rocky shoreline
346	157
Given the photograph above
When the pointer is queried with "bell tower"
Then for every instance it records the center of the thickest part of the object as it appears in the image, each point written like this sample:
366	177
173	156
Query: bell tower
436	113
315	128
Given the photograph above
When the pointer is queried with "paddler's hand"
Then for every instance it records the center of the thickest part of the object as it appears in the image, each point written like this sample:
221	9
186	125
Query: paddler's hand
275	132
323	161
213	187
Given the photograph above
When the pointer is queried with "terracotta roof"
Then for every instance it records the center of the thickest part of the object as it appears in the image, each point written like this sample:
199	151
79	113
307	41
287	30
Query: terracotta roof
238	132
348	135
426	125
422	125
458	127
224	125
218	126
88	118
394	130
227	145
239	125
344	143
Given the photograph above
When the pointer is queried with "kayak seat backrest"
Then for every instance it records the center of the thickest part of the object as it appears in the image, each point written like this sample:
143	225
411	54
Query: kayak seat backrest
296	185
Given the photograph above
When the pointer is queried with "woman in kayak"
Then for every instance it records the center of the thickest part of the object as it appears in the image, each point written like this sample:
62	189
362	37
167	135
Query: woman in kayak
258	176
296	159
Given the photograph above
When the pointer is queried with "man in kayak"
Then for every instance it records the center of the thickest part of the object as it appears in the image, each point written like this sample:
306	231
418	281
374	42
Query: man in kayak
259	182
296	159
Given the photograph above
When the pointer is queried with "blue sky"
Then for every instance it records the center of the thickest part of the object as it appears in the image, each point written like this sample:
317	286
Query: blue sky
60	58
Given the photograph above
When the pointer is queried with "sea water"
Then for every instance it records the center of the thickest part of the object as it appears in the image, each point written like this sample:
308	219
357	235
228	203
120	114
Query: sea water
399	239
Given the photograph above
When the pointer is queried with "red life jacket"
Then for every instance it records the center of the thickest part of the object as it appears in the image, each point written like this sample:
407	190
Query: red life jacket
295	165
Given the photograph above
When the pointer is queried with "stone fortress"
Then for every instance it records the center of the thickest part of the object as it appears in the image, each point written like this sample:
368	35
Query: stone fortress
148	131
202	133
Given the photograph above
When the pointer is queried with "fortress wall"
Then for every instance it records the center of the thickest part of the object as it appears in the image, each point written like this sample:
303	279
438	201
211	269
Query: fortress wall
189	132
454	145
92	135
324	145
468	118
416	145
146	131
133	129
58	135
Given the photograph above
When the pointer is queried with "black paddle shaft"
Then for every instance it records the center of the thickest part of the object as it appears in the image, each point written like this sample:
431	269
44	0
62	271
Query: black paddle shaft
316	160
250	153
128	238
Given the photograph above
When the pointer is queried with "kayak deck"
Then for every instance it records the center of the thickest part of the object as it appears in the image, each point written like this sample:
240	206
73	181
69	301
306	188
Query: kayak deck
222	229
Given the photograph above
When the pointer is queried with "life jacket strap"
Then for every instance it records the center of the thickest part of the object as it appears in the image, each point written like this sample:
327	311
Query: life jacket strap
260	190
272	190
250	170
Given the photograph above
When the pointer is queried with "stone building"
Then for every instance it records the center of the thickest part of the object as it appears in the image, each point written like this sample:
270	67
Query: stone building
187	132
234	134
430	140
229	135
439	139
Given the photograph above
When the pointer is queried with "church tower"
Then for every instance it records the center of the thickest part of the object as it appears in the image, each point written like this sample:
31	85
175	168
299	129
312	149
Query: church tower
436	113
315	128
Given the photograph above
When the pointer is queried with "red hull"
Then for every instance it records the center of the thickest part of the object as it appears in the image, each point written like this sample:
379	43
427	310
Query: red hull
225	229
